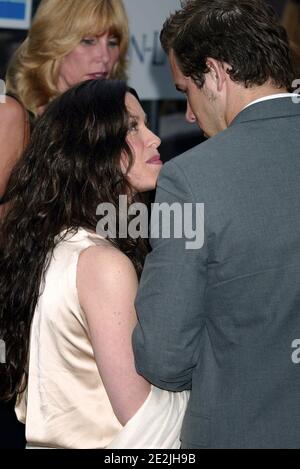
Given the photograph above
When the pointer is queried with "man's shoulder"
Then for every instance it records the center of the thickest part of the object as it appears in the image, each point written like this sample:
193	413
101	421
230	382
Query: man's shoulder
257	123
197	167
202	154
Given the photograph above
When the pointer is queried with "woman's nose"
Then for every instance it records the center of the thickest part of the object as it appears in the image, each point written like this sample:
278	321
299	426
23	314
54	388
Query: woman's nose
154	139
103	54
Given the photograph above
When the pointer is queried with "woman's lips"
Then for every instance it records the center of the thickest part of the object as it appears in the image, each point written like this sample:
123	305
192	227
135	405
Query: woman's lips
99	75
155	160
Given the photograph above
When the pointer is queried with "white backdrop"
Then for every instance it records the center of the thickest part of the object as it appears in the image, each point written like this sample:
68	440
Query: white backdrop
149	70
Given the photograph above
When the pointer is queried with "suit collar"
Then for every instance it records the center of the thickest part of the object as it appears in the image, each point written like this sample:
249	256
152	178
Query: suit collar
271	109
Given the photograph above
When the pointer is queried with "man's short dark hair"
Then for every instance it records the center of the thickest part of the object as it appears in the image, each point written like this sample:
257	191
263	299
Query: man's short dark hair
243	33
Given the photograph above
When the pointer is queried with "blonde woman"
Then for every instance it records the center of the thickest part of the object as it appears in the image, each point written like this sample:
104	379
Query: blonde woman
69	42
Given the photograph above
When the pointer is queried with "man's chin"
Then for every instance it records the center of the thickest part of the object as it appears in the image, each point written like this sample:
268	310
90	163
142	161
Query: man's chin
208	135
205	133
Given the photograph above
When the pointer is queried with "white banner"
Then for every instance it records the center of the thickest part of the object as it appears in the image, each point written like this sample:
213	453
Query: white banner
149	71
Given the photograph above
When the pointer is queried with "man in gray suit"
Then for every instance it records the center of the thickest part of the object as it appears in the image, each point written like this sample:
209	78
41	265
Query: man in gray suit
223	318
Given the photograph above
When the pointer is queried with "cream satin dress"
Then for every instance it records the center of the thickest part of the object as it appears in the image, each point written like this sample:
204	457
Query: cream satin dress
65	404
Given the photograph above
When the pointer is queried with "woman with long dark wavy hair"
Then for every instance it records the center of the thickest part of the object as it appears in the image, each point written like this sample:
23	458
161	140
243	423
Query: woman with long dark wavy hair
67	293
69	41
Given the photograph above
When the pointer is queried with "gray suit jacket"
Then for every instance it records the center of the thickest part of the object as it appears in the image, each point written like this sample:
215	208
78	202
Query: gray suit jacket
221	320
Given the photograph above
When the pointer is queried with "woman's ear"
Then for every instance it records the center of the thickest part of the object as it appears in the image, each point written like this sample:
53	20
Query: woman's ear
124	162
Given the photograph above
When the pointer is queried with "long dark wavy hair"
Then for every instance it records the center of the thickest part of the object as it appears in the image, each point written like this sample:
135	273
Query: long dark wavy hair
71	165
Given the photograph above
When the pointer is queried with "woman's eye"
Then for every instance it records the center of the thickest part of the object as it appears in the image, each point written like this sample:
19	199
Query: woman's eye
133	126
113	42
88	41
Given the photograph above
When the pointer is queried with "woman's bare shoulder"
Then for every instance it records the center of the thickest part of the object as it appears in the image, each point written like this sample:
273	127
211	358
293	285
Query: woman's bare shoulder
105	262
11	111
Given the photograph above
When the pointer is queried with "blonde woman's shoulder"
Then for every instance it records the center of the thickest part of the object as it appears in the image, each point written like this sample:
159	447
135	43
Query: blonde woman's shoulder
11	111
12	137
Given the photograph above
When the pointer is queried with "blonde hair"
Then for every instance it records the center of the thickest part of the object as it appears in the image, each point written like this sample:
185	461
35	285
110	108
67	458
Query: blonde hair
291	22
57	28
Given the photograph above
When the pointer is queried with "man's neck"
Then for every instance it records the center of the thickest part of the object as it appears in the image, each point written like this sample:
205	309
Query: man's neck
242	97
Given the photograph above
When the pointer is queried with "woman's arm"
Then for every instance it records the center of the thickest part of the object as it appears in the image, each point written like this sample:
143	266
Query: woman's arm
107	286
12	127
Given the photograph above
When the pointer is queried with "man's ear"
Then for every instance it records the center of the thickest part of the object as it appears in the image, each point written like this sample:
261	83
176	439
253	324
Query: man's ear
217	71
